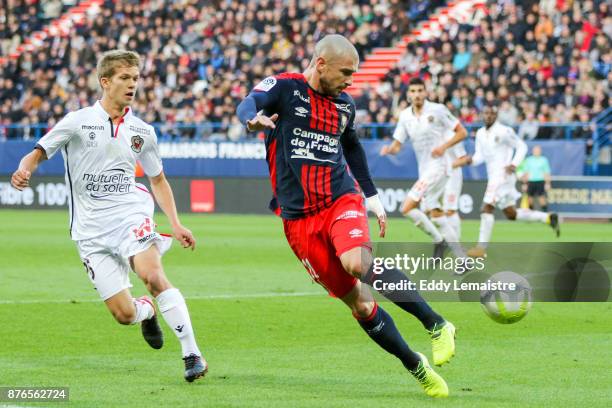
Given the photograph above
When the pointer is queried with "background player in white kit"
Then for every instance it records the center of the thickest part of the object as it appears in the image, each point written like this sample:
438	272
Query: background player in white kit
501	149
110	215
426	124
452	190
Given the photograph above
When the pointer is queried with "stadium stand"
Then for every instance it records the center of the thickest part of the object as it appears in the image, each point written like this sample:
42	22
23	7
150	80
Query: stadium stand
542	61
545	61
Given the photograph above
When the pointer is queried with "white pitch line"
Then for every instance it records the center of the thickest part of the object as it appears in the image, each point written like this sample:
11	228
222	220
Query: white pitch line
16	406
19	406
205	297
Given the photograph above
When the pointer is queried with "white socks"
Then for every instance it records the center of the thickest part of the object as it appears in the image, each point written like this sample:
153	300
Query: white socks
144	310
172	306
455	222
424	224
486	228
522	214
525	214
449	235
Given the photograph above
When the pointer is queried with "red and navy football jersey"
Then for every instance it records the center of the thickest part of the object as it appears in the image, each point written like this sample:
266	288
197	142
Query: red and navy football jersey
304	152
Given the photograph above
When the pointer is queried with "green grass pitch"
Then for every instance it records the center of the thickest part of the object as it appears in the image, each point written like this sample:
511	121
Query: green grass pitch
272	338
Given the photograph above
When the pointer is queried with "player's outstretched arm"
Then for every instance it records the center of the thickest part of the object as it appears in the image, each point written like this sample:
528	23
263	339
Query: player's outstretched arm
28	165
265	96
248	113
165	199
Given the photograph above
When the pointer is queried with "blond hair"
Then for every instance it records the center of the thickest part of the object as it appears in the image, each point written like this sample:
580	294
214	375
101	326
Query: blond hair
111	60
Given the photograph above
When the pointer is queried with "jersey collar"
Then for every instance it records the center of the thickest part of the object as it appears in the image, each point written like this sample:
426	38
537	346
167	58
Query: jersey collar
105	116
426	104
492	128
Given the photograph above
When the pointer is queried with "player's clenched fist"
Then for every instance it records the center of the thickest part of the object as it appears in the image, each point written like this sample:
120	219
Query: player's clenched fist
21	179
185	237
262	122
438	151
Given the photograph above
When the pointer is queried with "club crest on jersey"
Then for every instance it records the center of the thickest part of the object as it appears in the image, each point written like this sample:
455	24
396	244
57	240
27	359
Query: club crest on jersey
343	122
266	84
137	143
430	119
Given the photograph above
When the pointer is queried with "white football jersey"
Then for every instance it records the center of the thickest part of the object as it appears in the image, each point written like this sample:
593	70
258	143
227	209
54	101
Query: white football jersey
498	147
100	160
426	132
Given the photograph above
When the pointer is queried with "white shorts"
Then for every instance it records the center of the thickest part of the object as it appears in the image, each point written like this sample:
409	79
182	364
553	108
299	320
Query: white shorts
106	258
452	191
502	192
428	191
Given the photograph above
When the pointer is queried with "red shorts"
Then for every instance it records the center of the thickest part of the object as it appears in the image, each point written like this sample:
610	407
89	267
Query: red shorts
319	240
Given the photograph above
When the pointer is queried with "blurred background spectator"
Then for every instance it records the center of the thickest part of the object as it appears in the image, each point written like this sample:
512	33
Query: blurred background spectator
543	61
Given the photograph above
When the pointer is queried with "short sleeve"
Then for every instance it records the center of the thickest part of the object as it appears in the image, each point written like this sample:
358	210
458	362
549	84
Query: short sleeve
59	135
150	157
510	138
271	87
448	120
546	166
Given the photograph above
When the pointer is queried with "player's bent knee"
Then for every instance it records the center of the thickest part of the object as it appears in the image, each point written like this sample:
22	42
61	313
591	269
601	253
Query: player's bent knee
407	207
488	209
355	266
510	213
363	309
156	281
435	213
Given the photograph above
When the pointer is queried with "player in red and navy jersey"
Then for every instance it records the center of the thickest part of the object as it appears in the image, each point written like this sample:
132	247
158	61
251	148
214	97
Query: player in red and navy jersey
310	139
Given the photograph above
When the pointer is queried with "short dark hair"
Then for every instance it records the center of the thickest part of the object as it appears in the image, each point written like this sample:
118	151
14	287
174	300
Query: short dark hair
492	106
416	81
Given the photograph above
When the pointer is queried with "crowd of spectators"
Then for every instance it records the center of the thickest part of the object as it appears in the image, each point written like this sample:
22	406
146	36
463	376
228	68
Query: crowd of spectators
20	18
200	56
541	62
545	60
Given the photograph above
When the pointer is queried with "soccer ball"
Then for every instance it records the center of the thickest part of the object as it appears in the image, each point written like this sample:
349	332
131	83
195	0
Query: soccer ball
504	305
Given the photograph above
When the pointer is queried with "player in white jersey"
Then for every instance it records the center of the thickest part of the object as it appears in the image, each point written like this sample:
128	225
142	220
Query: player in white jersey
452	189
110	214
426	124
502	151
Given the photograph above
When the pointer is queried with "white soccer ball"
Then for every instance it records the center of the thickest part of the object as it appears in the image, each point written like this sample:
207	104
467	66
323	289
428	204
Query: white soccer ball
503	304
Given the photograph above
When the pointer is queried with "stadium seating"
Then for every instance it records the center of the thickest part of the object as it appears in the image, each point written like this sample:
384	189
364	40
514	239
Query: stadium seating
544	63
